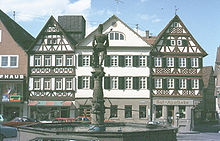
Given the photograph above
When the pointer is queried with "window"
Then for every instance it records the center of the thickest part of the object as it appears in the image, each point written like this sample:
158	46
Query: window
170	83
114	111
128	82
175	24
142	111
128	111
36	83
194	62
9	61
37	60
182	111
179	42
182	83
0	36
69	60
51	41
170	62
158	111
59	60
4	61
114	83
142	82
13	61
85	60
69	84
157	62
182	62
128	61
142	60
47	60
114	61
158	83
85	82
195	83
172	43
47	83
59	83
116	36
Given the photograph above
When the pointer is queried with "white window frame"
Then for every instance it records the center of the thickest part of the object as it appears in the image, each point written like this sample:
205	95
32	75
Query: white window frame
58	83
195	83
170	62
114	83
128	83
37	83
112	36
175	24
170	83
47	60
179	42
128	61
59	60
37	60
172	42
85	82
85	60
9	61
47	83
182	62
157	61
182	83
51	41
142	61
158	83
114	61
142	82
69	60
195	62
69	83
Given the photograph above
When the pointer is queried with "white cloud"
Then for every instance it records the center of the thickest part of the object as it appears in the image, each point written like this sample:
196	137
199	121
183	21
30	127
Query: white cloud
152	18
156	20
27	10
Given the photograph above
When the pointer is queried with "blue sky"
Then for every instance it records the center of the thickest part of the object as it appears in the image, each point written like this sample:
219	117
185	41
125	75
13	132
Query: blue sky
201	17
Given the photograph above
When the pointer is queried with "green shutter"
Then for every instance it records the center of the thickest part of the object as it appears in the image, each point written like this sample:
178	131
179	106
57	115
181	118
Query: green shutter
148	61
200	63
136	83
91	60
148	83
91	82
184	43
164	84
153	83
135	61
189	84
176	84
107	83
164	63
80	60
152	62
121	61
121	83
176	62
79	82
201	84
107	61
188	63
168	42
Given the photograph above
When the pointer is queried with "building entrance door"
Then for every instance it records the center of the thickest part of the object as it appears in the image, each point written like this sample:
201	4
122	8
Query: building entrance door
170	114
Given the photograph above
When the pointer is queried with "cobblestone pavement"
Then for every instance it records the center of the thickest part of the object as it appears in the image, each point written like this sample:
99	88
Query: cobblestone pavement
199	137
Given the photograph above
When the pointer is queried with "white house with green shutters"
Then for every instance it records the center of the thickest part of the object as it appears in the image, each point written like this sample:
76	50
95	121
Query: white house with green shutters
126	66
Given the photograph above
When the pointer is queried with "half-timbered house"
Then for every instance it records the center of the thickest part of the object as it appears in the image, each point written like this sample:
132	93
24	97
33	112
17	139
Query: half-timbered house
52	68
176	72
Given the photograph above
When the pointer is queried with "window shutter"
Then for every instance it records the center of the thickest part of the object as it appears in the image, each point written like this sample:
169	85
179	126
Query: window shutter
153	83
107	83
164	63
121	83
148	83
168	42
136	83
188	63
189	84
80	60
201	84
176	84
148	61
91	60
121	61
200	63
176	62
135	61
164	84
184	43
91	82
152	62
79	82
107	61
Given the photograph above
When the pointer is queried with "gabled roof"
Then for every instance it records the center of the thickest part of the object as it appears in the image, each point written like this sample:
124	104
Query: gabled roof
150	39
114	17
176	18
207	72
53	20
21	36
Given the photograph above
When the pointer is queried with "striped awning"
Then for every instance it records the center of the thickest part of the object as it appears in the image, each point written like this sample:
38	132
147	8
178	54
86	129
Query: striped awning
50	103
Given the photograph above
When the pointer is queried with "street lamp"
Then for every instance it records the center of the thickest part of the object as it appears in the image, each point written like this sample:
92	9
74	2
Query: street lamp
177	118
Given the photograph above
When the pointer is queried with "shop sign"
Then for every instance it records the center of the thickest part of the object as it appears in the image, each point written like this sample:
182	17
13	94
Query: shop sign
173	102
11	76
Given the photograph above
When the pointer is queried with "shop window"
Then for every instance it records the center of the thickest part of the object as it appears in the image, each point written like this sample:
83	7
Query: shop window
11	91
114	111
142	111
182	111
128	111
158	111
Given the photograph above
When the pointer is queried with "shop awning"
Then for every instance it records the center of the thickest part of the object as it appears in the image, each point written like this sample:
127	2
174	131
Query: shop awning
50	103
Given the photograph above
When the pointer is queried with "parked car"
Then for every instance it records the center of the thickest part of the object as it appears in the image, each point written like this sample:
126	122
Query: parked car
18	121
7	132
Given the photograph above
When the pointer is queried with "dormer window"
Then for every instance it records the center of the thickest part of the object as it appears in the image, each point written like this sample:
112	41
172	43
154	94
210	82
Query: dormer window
117	36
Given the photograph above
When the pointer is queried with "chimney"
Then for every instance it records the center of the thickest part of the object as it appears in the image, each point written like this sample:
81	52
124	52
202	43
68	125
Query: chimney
147	34
75	26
